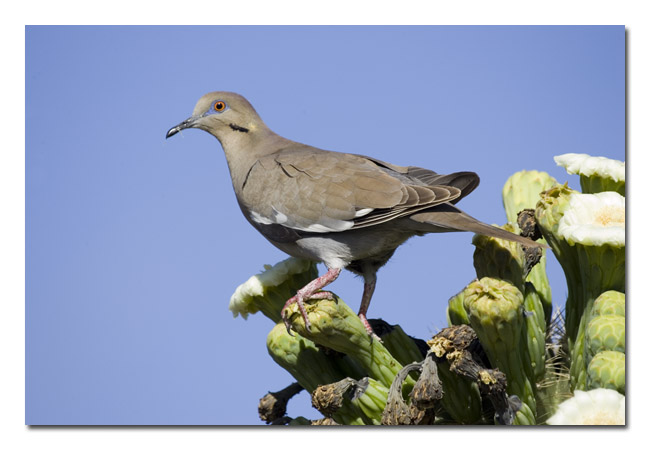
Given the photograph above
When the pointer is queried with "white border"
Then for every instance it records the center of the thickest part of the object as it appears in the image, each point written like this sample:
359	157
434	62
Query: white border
14	434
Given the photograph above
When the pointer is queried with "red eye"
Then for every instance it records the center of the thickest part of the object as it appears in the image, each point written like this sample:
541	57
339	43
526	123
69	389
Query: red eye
219	106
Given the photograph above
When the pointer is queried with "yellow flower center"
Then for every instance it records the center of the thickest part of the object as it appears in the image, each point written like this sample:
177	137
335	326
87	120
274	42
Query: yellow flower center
601	418
611	216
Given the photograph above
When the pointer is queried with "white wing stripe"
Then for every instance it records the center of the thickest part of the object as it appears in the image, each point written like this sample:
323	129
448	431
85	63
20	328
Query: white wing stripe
363	212
326	226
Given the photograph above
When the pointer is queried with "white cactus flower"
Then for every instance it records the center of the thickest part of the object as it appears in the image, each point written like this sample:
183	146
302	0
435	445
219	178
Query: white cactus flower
594	219
586	165
596	407
259	285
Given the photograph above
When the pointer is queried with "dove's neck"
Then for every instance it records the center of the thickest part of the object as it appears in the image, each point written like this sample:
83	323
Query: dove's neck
243	149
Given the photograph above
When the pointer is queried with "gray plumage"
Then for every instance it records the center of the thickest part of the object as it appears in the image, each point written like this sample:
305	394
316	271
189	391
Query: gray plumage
345	210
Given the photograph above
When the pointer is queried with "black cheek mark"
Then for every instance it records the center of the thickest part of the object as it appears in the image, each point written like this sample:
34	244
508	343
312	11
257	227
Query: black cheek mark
238	128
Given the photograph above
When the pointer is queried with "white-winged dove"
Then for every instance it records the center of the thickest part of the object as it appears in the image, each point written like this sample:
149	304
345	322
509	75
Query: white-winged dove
345	210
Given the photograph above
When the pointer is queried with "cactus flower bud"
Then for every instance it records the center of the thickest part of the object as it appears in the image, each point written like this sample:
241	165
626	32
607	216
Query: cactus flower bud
605	333
609	302
607	370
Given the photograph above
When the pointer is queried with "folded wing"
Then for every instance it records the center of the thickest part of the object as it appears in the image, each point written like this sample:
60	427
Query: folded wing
318	191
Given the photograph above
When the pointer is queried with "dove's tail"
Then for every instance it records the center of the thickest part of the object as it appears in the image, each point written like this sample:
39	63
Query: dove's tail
443	218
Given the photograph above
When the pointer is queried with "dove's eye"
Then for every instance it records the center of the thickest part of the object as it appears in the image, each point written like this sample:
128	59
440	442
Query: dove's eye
219	106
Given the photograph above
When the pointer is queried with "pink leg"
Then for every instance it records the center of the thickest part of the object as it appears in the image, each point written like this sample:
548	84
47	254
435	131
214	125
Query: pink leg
368	290
309	292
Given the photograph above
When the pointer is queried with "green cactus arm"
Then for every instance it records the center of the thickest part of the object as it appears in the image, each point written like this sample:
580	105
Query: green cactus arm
312	367
601	265
342	417
578	366
522	191
372	399
462	397
307	363
336	326
340	401
496	312
534	333
548	213
400	345
499	258
456	314
586	233
539	278
298	421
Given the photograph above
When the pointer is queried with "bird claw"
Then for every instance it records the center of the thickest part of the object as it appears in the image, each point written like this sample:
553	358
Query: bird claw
285	319
301	306
288	326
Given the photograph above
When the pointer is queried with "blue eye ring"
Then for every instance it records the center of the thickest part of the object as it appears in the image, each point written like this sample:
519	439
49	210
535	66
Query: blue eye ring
219	106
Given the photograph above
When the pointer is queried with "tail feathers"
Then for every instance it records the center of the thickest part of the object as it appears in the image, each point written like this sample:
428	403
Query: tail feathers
449	218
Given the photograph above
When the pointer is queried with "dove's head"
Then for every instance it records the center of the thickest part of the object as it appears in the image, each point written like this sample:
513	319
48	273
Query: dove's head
225	115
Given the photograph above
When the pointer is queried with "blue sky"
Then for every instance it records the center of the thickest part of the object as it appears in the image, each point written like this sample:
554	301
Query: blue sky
134	244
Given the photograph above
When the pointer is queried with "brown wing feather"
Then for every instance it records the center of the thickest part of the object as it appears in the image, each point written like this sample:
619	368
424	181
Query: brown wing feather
465	181
316	190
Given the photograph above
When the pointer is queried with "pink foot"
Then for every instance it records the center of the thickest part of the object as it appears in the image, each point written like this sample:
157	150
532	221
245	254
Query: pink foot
322	295
309	292
368	290
368	328
301	306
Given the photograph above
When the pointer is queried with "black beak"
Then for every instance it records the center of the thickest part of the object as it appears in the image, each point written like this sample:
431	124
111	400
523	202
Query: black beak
189	123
